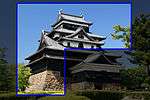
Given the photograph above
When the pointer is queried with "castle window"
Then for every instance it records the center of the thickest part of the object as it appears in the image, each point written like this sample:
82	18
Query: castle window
80	45
98	46
92	46
68	44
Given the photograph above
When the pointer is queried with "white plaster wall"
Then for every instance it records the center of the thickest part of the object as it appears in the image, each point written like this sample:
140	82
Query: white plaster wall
75	44
72	44
86	45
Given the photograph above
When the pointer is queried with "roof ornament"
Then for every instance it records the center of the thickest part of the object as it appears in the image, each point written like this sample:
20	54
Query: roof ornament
81	14
60	11
43	32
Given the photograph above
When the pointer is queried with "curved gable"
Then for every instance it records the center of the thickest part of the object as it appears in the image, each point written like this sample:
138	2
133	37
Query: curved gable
82	32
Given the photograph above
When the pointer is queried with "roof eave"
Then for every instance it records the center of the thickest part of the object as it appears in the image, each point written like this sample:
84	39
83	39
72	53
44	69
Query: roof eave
28	58
89	23
101	43
45	57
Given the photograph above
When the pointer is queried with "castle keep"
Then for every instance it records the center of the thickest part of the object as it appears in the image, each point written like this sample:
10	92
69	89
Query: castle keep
85	69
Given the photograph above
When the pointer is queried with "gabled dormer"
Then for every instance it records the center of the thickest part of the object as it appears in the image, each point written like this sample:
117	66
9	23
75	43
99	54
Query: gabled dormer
80	39
80	33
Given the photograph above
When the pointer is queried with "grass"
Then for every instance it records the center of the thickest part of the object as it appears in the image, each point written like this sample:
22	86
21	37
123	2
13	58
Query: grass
114	95
12	96
6	94
81	95
65	98
69	96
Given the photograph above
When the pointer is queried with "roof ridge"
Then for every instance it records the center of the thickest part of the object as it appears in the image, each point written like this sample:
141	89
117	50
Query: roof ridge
72	15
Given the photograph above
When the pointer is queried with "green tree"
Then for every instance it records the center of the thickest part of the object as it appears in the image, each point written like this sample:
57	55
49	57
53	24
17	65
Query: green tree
7	73
122	33
134	78
3	70
23	76
11	77
140	40
2	56
140	55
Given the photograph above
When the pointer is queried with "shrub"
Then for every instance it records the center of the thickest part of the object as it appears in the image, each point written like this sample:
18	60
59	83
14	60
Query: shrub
102	95
113	95
23	76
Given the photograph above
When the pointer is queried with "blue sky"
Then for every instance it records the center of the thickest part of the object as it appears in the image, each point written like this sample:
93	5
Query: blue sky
33	18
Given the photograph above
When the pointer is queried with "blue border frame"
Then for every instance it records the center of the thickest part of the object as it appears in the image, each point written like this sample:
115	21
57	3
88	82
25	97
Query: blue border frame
130	2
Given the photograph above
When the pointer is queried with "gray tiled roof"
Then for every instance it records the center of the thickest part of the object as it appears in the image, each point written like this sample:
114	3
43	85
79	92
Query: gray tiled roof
50	43
82	40
73	18
92	57
46	56
70	31
86	64
77	32
94	35
64	30
96	67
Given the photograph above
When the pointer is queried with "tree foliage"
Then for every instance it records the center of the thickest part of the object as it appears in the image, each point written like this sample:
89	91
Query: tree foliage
23	76
7	73
140	55
141	41
122	33
3	71
135	78
2	56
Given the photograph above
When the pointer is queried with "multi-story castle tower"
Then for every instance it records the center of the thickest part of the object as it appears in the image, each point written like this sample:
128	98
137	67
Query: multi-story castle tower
47	64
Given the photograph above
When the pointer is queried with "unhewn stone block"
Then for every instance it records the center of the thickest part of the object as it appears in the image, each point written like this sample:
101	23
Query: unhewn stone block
46	80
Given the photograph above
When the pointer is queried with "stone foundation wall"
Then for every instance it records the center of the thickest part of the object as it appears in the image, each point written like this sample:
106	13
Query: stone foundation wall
54	81
46	80
38	78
